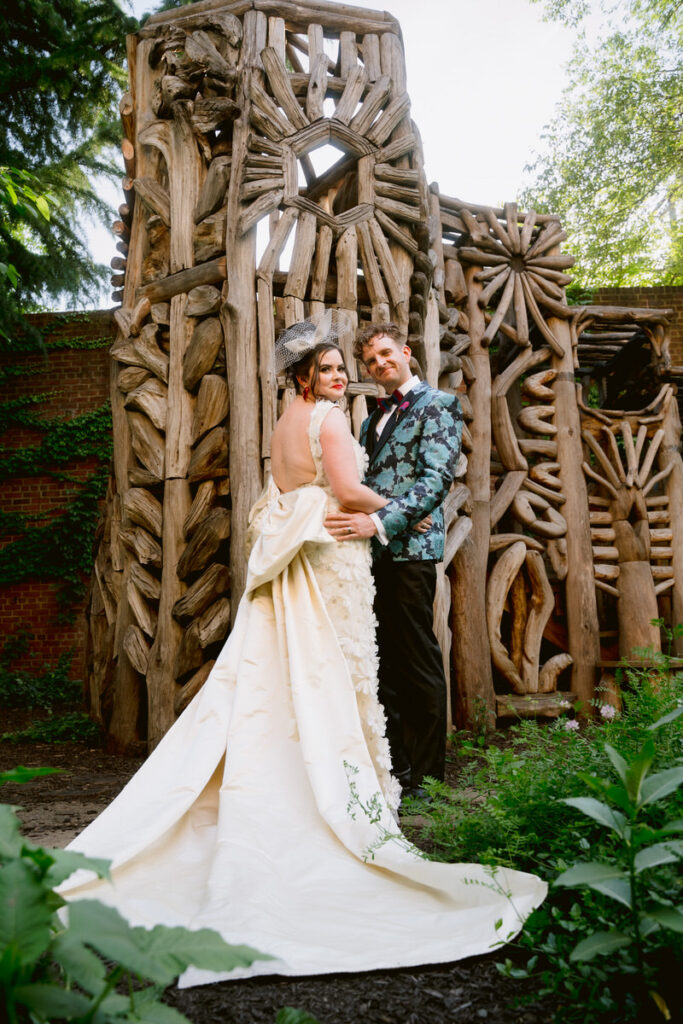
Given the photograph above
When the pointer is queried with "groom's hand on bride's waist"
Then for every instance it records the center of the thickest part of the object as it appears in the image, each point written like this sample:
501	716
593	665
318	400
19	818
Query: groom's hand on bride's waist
350	525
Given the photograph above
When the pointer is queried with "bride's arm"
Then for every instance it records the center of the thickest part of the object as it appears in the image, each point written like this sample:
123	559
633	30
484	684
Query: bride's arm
339	463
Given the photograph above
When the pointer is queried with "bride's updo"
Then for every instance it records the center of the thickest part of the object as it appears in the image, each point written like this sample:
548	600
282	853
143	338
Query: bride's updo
301	347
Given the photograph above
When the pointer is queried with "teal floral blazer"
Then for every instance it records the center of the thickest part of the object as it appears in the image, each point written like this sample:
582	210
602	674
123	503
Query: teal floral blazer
413	463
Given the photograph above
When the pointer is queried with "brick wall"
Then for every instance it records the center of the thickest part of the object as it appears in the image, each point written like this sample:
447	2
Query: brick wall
662	297
78	378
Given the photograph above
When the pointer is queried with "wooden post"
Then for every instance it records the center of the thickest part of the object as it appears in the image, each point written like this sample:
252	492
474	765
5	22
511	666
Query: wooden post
670	452
582	610
238	315
473	695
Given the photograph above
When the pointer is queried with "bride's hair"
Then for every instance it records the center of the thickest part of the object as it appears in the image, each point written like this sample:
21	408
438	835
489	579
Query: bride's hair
311	358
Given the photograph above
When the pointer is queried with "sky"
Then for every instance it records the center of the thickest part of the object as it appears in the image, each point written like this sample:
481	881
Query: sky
484	77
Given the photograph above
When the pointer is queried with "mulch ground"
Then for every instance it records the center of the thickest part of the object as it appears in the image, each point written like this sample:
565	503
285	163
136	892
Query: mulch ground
56	808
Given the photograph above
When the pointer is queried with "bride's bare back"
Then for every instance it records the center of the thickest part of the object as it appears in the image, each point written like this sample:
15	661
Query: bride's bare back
291	462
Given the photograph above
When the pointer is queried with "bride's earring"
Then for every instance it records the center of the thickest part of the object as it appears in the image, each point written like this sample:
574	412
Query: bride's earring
305	393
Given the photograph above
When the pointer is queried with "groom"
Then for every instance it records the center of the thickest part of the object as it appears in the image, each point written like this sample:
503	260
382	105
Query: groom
413	441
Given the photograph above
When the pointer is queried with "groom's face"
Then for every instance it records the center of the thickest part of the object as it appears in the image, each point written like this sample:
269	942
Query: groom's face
387	361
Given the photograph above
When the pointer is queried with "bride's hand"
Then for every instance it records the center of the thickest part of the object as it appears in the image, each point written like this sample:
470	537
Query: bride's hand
424	525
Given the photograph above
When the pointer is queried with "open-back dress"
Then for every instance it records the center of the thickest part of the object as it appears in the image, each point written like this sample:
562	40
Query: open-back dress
267	812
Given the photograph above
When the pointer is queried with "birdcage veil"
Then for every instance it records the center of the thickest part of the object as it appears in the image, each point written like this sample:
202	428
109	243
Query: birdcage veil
298	340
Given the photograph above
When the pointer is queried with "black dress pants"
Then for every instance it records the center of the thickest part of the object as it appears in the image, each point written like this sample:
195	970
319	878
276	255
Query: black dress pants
412	685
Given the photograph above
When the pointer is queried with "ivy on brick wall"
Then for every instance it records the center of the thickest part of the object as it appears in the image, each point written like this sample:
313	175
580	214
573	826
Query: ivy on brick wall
55	545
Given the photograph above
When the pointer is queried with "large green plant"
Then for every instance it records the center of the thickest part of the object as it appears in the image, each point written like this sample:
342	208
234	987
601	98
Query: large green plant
61	75
96	969
612	156
629	877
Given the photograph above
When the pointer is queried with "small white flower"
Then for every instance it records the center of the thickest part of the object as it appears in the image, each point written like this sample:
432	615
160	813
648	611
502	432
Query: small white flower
571	725
608	711
564	704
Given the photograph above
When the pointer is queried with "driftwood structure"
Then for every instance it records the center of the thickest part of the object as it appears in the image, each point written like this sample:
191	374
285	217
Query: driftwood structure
273	170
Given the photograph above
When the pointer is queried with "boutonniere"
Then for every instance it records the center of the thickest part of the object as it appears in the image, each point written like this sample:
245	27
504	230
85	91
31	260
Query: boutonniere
405	404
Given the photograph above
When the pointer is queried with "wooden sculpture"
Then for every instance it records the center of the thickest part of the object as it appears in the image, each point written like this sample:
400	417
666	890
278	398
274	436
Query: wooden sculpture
272	171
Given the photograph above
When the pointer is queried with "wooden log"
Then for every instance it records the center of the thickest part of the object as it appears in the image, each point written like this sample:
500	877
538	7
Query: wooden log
317	87
203	301
143	614
209	236
210	457
373	277
149	353
131	377
500	580
205	541
356	83
371	57
142	508
148	585
203	502
302	255
207	339
471	648
191	688
148	444
282	88
399	234
155	198
213	113
146	548
542	604
371	106
128	154
214	624
212	272
212	194
151	397
258	209
189	655
197	598
136	648
211	407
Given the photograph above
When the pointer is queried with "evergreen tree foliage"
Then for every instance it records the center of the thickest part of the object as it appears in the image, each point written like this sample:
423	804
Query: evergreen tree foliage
612	163
61	76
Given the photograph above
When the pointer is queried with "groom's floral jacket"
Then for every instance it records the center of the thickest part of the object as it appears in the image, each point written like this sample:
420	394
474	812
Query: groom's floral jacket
413	463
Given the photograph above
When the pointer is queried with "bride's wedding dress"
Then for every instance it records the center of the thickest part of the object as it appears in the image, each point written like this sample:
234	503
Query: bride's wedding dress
266	811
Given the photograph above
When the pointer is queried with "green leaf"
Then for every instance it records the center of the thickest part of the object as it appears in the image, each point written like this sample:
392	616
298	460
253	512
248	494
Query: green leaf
671	717
25	917
599	944
638	769
660	785
671	826
42	207
10	838
150	1010
68	861
51	1002
600	812
160	954
80	963
588	872
605	878
289	1015
668	917
11	191
618	761
660	853
21	774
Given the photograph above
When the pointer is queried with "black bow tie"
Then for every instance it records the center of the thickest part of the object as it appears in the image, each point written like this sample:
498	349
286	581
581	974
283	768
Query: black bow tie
387	404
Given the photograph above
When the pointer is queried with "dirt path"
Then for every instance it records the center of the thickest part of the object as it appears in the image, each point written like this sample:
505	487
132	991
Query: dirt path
56	808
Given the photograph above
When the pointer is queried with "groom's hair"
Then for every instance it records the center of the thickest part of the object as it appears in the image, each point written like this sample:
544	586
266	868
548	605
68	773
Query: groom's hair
366	334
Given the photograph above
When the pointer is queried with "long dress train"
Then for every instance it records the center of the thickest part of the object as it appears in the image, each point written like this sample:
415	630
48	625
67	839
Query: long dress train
266	811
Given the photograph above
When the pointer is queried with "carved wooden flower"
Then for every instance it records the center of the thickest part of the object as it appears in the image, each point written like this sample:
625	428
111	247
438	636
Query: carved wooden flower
516	256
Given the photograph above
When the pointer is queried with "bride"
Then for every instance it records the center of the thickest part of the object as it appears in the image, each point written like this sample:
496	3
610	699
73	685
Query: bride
268	811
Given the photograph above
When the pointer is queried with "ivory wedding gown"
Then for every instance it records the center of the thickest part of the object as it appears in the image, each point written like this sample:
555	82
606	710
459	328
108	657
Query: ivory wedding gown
266	811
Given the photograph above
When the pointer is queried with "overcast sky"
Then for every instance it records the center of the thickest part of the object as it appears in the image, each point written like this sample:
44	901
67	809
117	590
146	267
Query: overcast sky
484	76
